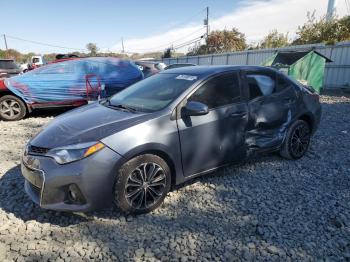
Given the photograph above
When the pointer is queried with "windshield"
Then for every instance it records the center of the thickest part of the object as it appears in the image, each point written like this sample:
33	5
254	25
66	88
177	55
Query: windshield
153	93
8	65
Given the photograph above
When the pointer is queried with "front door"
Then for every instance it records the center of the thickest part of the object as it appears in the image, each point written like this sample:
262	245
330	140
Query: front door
217	138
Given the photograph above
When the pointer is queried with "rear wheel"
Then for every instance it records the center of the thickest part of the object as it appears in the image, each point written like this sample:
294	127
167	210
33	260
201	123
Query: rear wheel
297	140
142	184
12	108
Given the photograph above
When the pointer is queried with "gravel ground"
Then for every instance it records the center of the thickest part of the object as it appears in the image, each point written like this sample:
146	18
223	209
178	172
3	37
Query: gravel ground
266	209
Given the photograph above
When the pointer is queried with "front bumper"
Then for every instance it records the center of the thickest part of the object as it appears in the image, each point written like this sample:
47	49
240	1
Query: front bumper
49	184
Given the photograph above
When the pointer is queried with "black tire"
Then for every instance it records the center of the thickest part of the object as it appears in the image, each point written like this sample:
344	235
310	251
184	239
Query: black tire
297	140
135	193
12	108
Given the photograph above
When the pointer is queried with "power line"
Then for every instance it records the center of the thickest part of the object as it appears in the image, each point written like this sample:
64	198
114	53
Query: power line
180	39
171	43
188	42
149	49
44	44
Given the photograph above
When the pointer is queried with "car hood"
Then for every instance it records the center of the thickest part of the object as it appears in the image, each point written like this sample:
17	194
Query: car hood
86	124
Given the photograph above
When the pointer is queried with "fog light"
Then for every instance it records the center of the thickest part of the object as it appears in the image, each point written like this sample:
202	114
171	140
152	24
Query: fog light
73	193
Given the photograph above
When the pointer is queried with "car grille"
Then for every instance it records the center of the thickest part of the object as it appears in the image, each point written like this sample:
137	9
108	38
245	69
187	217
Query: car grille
37	150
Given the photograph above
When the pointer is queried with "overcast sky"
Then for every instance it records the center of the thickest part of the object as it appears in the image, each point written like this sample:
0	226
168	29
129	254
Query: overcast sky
145	25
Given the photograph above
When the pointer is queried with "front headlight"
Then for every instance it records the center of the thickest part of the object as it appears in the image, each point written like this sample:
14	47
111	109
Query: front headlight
67	154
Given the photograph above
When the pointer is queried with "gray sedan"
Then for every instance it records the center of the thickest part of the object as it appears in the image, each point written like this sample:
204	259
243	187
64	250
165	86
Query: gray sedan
176	125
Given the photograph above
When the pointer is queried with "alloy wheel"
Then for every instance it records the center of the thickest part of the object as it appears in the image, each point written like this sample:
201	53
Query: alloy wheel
300	140
10	108
145	186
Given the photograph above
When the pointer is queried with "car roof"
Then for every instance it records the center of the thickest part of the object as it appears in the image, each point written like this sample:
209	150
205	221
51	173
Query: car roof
210	70
146	62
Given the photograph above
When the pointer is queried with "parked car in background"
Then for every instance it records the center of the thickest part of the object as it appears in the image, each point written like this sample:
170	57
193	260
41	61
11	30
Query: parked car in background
150	68
33	63
181	123
8	68
177	65
65	83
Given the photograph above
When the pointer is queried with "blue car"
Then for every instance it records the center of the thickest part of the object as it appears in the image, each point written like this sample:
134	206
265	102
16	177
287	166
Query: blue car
66	83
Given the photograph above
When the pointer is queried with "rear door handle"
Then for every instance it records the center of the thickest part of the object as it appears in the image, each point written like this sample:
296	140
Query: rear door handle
235	114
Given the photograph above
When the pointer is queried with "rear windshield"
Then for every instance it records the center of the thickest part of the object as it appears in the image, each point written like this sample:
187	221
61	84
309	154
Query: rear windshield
8	65
153	93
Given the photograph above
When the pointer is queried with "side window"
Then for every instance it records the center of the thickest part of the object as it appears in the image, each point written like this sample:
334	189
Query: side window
261	83
282	83
218	91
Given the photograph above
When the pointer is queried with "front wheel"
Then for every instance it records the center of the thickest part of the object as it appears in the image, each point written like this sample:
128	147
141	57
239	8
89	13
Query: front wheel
142	184
297	140
12	108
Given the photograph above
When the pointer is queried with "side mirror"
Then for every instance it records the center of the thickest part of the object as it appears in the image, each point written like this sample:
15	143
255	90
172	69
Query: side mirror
193	108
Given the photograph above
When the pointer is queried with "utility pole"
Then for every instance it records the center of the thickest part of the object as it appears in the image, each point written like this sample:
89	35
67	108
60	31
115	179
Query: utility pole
207	21
123	50
330	10
5	41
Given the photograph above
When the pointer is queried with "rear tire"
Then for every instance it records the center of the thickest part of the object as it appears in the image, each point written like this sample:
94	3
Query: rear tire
12	108
142	184
297	140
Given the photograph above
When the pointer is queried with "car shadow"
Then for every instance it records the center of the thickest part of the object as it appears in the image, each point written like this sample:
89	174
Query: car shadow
13	198
48	112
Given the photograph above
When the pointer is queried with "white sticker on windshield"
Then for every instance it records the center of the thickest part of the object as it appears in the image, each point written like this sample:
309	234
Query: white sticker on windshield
186	77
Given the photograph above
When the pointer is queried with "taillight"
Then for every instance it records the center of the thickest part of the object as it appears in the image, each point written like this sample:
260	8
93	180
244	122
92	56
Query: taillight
2	84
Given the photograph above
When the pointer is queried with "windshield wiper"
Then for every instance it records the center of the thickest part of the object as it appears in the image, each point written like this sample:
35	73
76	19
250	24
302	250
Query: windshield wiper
124	107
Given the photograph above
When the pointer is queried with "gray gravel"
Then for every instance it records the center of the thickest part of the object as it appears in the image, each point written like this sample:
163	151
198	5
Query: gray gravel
266	209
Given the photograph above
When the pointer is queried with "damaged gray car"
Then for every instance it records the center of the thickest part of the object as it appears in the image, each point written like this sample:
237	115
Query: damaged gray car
181	123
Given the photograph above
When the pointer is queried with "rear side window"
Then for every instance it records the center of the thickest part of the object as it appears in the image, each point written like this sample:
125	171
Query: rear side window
218	91
261	83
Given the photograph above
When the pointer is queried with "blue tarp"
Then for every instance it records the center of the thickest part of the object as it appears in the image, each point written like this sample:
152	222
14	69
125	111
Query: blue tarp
78	79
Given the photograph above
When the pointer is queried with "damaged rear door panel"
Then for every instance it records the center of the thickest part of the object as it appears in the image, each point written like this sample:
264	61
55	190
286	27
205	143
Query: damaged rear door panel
271	105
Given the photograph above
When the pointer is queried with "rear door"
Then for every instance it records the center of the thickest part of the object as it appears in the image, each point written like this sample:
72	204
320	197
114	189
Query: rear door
217	138
272	102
